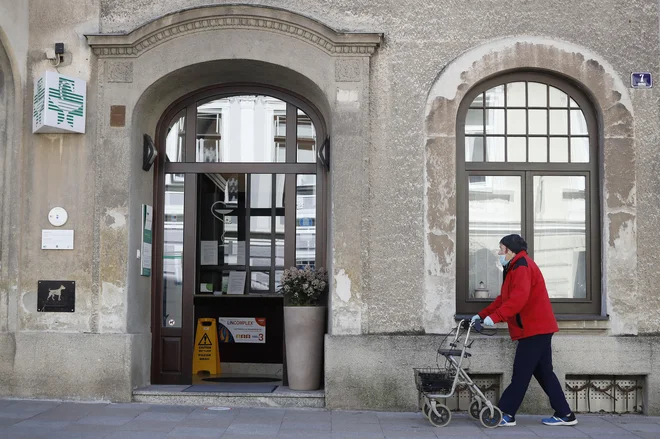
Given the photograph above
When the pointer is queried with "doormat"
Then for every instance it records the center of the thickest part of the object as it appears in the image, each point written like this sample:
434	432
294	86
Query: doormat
242	380
232	388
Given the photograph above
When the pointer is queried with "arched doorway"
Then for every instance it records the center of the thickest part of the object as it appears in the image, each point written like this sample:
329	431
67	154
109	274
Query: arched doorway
240	186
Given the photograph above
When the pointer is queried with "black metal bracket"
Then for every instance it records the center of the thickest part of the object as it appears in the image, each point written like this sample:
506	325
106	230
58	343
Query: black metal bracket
149	152
324	153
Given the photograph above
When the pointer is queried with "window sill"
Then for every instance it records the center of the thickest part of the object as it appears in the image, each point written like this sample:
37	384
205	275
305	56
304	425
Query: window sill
568	323
559	317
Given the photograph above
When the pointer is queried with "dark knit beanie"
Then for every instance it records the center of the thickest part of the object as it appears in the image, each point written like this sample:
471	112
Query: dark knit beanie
515	243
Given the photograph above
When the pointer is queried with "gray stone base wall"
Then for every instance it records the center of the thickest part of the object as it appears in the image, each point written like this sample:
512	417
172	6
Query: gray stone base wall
375	372
90	367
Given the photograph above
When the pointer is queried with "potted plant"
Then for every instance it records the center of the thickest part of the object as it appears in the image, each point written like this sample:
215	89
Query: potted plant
304	325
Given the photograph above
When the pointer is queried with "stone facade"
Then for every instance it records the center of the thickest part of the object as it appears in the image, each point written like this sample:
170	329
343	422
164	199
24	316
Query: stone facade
388	81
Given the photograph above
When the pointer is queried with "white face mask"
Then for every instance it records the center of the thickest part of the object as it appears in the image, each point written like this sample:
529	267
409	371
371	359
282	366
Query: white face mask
503	260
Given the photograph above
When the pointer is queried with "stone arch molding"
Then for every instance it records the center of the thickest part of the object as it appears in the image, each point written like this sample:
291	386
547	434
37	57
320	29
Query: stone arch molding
612	103
257	18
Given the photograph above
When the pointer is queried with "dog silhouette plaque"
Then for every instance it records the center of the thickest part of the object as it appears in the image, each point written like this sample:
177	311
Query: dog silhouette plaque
56	296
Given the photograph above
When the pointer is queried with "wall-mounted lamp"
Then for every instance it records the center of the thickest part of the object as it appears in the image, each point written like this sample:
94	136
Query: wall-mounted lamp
149	153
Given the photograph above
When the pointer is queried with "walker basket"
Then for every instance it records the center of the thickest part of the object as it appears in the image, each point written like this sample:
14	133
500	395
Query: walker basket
433	380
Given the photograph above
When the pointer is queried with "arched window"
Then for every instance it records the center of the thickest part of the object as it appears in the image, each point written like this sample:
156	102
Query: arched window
527	162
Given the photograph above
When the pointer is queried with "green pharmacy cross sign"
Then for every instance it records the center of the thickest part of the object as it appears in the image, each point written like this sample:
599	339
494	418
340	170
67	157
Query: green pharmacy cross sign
59	104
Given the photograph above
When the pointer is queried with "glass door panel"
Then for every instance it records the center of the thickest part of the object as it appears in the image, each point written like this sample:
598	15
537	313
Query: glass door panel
173	251
222	230
241	222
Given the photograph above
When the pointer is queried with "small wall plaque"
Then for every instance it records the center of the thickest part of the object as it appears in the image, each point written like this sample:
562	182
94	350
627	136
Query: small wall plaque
641	80
56	296
117	115
57	239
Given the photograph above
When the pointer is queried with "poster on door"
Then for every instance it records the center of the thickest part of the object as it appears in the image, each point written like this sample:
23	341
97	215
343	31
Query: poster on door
242	329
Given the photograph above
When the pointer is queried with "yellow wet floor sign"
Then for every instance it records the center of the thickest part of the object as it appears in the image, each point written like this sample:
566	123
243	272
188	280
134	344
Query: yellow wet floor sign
206	357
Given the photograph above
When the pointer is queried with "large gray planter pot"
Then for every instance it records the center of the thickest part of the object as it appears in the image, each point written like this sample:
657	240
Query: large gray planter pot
304	327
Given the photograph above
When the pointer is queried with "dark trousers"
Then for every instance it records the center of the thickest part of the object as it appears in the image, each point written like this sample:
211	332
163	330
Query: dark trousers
534	357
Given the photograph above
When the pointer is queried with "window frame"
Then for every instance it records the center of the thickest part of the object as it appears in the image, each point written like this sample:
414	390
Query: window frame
592	305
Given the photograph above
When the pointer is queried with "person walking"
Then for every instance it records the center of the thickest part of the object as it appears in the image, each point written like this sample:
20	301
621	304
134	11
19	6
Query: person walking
524	304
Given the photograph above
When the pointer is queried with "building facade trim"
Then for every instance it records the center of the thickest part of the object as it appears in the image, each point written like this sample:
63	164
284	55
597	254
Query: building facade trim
142	39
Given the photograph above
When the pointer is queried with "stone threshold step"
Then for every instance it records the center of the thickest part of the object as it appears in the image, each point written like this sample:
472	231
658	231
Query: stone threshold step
281	397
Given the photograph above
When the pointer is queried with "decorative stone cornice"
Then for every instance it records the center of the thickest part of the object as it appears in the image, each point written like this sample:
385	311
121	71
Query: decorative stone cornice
258	18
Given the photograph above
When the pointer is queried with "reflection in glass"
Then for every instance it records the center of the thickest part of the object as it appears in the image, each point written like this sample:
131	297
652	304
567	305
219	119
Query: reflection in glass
474	122
515	94
306	220
578	123
260	241
517	149
474	149
560	234
261	187
478	101
306	139
494	211
538	121
260	280
173	251
495	97
244	128
558	121
559	149
537	94
175	139
279	247
495	121
278	277
279	190
495	149
516	122
209	150
580	150
538	149
558	98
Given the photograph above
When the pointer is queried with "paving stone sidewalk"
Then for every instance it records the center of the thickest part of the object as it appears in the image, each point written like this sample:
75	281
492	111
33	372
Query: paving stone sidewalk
23	419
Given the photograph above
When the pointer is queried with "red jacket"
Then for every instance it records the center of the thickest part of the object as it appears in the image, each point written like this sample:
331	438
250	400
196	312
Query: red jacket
523	302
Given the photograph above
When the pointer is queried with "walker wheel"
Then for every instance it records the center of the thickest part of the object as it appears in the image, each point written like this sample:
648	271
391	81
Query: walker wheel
426	409
440	416
489	421
475	409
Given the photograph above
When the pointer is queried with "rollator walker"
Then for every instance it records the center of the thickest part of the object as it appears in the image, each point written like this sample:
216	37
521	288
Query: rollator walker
439	383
